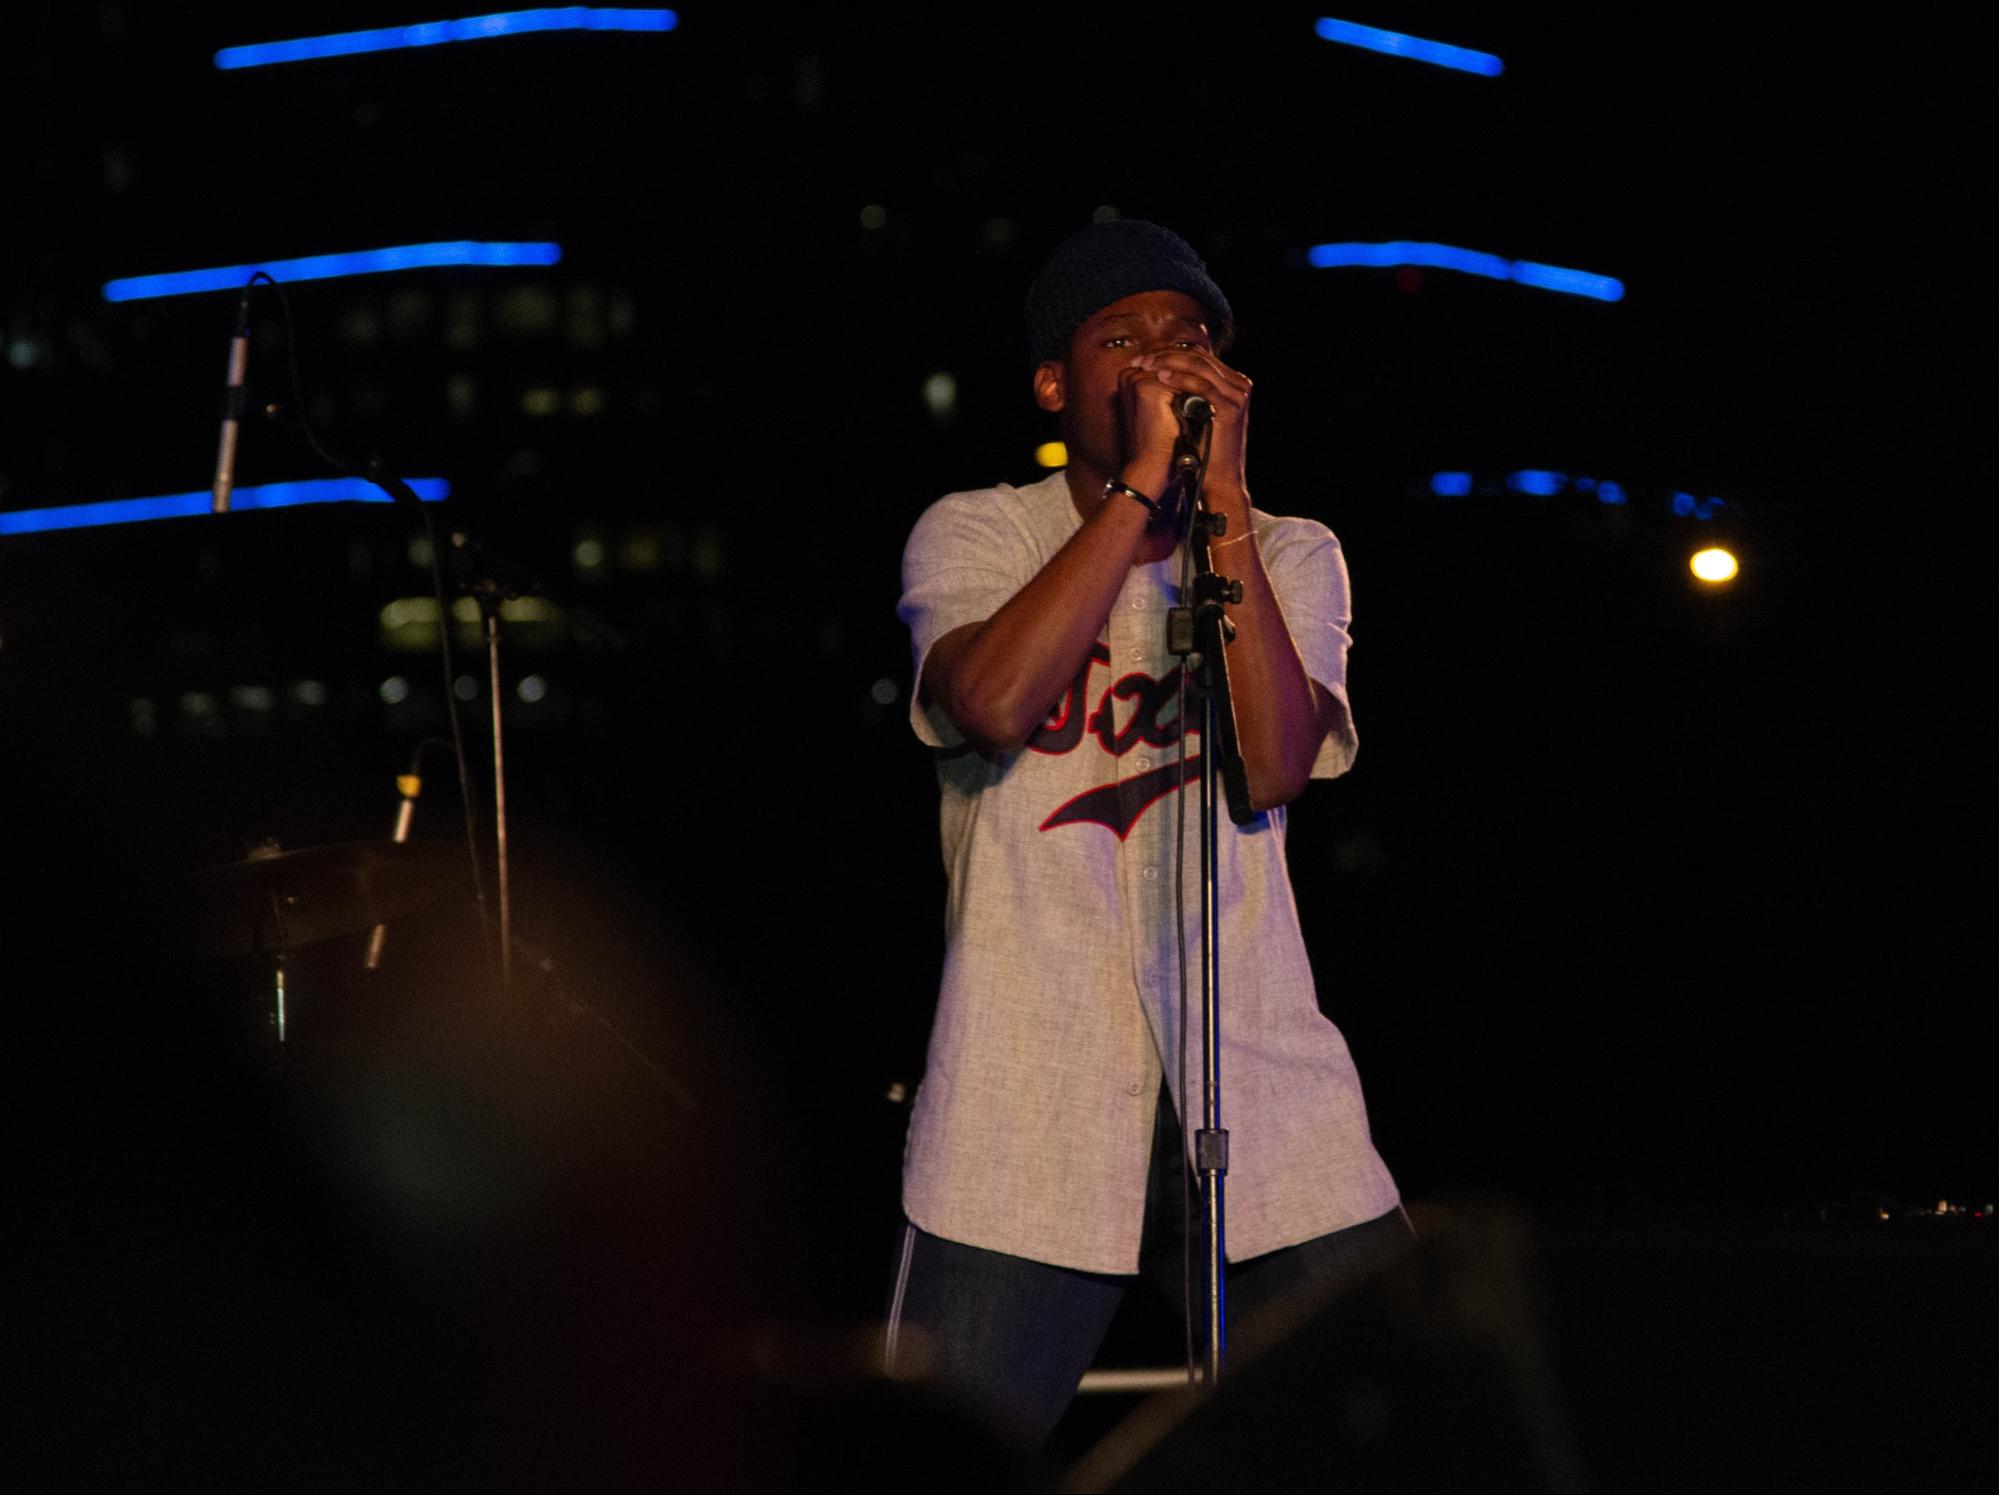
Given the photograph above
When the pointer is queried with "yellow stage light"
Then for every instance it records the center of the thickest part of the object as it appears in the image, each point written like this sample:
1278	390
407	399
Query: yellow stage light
1052	454
1714	565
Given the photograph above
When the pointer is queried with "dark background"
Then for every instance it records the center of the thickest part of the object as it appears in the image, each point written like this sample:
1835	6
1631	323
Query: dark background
1644	898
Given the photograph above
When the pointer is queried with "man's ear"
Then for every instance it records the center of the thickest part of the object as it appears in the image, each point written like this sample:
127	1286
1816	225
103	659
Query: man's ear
1051	385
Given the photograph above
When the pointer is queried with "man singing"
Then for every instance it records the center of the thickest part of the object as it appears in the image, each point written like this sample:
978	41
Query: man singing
1049	1142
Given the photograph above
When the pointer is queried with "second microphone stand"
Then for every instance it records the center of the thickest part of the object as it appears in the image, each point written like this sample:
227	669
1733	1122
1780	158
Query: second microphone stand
1198	632
491	584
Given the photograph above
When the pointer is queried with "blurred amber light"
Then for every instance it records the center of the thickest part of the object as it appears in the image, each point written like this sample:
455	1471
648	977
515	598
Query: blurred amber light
1714	565
1052	454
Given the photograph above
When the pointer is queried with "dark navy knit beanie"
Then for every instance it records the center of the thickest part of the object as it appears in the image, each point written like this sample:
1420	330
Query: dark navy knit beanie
1107	262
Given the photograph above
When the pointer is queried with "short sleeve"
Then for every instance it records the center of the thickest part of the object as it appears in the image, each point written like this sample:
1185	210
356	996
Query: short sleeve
964	561
1308	571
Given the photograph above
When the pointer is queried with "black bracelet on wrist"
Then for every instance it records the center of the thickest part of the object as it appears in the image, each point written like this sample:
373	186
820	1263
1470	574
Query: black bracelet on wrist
1115	486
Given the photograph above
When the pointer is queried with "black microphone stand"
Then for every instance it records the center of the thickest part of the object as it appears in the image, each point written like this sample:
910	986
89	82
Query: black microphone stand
491	581
1198	632
378	474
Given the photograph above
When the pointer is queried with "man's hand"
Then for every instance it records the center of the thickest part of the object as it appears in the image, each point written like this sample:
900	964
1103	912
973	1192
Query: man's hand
1281	714
1148	429
1185	371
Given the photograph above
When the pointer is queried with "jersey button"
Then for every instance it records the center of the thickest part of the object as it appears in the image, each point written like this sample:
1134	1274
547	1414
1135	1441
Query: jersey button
1151	874
1133	1089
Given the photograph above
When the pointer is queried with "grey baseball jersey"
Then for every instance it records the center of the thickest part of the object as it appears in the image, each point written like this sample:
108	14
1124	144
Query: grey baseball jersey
1060	1004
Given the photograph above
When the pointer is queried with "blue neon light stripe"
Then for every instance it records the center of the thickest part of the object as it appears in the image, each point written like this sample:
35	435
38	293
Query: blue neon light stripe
332	266
1571	282
1537	482
186	505
436	33
1688	507
1397	252
1409	252
1541	482
1414	48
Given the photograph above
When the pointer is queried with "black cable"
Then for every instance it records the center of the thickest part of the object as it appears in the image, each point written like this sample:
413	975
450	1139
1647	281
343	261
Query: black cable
416	761
436	581
450	675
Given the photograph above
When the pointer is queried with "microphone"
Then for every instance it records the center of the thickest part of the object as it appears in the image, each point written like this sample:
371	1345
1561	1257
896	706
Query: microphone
1195	413
409	785
232	407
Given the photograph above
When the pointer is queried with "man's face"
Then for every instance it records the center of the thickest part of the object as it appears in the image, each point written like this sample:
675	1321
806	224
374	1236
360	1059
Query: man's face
1083	387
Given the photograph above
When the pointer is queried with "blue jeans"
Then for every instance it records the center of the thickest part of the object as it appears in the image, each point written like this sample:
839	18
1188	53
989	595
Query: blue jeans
1014	1336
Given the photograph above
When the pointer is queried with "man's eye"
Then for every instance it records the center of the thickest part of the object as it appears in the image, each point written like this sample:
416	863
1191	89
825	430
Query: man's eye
1116	342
